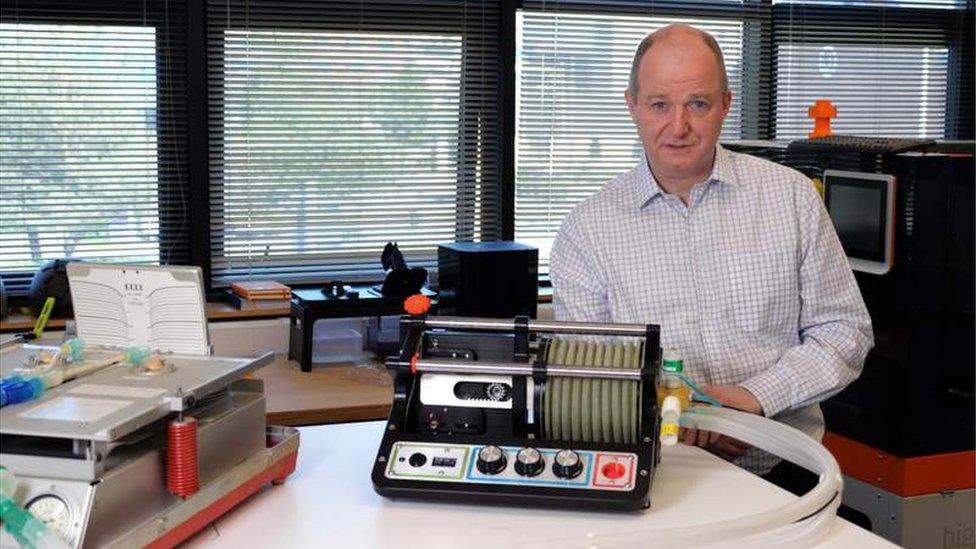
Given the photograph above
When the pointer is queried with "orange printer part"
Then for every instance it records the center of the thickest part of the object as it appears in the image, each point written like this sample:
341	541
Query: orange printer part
905	477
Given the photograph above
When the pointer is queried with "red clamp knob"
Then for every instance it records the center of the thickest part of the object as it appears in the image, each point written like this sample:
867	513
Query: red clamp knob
417	304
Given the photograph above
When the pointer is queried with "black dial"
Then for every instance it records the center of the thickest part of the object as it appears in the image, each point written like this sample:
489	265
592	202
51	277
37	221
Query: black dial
417	459
491	460
529	462
567	464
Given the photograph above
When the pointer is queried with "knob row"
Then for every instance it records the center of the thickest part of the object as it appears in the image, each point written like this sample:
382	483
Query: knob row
529	462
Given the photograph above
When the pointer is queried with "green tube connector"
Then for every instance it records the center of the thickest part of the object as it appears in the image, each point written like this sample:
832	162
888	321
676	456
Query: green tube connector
136	356
20	523
698	394
26	528
72	350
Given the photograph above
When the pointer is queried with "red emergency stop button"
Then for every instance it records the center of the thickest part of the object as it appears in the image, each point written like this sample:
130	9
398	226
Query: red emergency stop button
613	470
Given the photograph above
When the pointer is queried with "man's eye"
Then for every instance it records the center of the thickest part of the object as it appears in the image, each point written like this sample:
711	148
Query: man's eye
698	105
659	106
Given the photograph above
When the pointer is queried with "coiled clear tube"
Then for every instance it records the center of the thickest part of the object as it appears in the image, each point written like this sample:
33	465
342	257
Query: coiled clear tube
800	523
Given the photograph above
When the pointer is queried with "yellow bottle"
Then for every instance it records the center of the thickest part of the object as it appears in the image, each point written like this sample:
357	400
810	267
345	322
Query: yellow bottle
669	382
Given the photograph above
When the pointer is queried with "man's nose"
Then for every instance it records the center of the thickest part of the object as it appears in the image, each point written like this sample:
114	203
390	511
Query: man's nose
679	122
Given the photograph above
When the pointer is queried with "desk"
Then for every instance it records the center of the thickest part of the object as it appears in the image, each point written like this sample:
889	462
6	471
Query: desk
329	502
327	394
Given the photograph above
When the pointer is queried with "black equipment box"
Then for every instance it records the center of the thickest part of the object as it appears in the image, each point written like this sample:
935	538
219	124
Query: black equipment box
487	279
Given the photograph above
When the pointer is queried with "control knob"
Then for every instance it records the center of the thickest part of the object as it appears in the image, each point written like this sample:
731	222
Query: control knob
529	462
567	464
491	460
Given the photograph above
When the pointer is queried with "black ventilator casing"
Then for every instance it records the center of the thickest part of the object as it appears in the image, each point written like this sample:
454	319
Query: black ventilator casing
516	433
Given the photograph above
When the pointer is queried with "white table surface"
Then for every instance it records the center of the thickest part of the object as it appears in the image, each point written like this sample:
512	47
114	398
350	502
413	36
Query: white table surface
329	502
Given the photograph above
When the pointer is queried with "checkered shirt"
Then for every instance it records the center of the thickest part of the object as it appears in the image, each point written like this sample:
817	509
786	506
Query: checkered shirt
748	282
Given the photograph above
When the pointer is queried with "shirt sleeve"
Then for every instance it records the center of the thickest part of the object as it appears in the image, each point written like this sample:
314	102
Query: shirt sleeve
834	326
580	290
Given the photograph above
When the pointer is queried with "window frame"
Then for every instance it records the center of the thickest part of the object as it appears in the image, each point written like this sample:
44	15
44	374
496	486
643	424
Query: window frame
956	27
756	19
761	19
492	220
176	192
189	96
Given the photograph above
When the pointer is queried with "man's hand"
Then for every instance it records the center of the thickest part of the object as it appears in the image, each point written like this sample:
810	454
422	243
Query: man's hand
722	446
734	397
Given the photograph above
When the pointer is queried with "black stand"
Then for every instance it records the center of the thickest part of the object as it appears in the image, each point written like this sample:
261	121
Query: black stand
308	306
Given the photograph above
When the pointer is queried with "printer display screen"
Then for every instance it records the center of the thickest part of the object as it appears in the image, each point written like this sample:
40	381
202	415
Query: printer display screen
857	208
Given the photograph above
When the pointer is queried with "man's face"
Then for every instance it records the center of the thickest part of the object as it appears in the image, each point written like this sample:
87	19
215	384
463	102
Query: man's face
679	108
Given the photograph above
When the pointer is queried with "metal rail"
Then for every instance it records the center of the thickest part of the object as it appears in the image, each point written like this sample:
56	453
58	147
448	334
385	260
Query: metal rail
549	326
511	368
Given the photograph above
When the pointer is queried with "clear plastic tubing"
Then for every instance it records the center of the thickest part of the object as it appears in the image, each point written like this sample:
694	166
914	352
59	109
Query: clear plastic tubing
800	523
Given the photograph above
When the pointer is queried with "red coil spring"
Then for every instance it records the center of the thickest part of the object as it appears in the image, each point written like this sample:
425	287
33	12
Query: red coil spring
182	475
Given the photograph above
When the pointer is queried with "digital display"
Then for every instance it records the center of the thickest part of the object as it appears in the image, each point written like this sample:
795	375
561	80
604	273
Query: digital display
444	462
857	208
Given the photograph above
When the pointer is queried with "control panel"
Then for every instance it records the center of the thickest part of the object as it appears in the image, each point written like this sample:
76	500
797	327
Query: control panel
530	465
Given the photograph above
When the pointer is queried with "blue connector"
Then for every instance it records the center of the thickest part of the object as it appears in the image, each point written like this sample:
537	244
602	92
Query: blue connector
16	389
11	379
6	383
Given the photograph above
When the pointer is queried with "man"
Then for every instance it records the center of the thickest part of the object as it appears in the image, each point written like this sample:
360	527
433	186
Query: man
735	257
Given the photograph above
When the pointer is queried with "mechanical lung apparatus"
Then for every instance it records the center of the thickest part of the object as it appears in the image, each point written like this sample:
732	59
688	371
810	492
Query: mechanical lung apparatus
536	413
134	434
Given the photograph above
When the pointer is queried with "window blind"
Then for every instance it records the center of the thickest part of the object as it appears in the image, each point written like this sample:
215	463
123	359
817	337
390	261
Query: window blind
573	131
886	66
338	126
92	144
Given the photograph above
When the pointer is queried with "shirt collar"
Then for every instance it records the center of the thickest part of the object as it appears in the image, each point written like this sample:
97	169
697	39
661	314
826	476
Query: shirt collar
646	188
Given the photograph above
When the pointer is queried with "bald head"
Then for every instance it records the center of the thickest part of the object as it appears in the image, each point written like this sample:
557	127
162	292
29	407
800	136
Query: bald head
678	99
678	34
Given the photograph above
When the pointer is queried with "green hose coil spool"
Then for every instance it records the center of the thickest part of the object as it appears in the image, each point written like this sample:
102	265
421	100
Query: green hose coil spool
595	409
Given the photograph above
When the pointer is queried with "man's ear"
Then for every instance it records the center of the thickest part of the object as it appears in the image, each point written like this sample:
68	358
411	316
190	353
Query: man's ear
631	104
726	102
